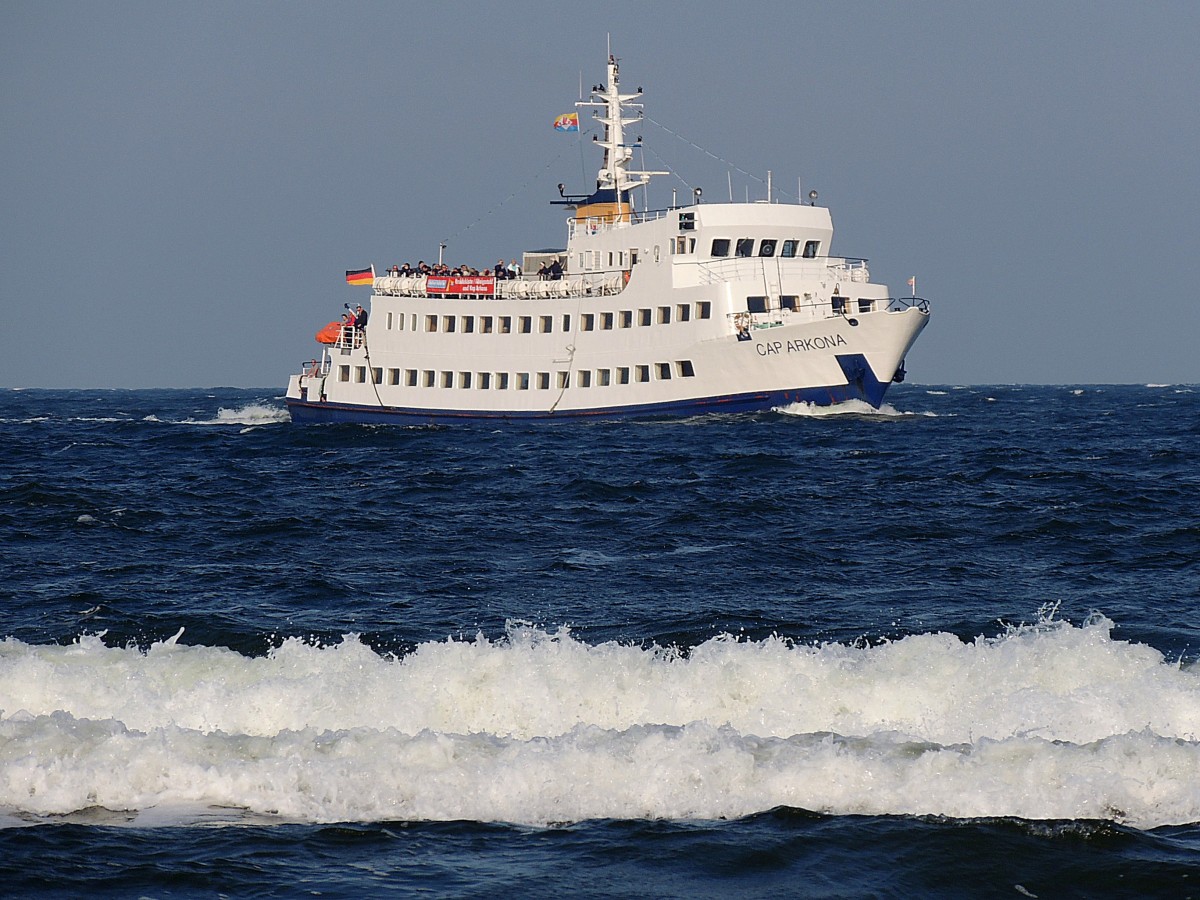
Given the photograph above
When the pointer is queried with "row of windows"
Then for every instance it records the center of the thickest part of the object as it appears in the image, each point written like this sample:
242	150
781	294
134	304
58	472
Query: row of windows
766	247
601	321
523	381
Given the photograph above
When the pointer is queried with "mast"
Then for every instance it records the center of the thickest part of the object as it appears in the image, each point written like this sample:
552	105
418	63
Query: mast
614	174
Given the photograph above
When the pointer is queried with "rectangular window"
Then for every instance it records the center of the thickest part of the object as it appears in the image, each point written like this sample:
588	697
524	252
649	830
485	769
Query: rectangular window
412	322
464	379
686	370
644	317
546	324
627	318
766	248
523	381
865	304
377	374
633	258
485	380
789	249
526	324
505	324
838	304
811	248
745	247
360	374
703	309
756	304
623	375
485	324
604	377
430	378
447	379
410	377
664	315
687	221
543	381
431	323
643	373
564	380
720	247
683	312
343	373
388	327
566	323
587	322
448	324
606	321
664	371
585	378
789	301
502	381
468	324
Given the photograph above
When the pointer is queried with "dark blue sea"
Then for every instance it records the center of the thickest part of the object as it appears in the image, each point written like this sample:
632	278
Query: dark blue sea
947	648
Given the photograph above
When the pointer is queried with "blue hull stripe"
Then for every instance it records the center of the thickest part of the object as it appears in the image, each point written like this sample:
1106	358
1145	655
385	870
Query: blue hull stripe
862	385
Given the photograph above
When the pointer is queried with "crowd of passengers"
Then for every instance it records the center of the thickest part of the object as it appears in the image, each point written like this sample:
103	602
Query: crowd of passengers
551	271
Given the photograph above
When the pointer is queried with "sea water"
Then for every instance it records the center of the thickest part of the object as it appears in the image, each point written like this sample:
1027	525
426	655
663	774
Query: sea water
946	647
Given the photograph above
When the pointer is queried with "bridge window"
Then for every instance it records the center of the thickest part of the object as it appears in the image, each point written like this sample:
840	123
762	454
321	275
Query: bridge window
756	304
687	221
865	304
811	249
766	248
789	249
745	247
720	247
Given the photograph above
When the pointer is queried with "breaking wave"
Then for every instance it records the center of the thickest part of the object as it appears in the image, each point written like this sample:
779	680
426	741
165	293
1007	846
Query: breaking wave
1048	721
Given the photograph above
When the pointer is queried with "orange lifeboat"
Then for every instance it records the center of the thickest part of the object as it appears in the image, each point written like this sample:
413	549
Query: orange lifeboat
330	333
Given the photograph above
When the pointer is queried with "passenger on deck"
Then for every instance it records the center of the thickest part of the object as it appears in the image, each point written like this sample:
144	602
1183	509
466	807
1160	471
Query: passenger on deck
360	318
500	271
543	271
556	270
514	271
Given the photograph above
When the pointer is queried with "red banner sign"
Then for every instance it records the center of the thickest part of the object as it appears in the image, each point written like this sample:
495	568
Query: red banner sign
470	284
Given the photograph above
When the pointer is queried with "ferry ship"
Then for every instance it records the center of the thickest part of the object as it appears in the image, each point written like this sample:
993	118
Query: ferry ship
703	307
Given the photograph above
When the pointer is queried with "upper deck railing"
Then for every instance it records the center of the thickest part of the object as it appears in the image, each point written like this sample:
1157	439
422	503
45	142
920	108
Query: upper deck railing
592	284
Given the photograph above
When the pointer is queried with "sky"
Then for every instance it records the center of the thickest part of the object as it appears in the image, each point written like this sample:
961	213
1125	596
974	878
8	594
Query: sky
184	185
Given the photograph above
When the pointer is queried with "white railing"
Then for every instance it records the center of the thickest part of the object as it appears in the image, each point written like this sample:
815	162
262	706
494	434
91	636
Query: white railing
592	285
746	268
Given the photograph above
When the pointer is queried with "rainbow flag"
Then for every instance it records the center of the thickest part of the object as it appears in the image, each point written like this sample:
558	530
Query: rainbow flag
361	276
567	122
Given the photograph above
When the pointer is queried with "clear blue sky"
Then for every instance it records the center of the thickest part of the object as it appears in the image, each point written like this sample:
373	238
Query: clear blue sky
183	185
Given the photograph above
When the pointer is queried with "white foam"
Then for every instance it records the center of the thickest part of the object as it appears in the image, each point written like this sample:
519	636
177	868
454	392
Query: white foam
846	407
1047	721
251	414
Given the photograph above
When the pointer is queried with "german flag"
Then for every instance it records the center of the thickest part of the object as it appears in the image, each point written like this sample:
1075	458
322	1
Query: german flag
361	276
